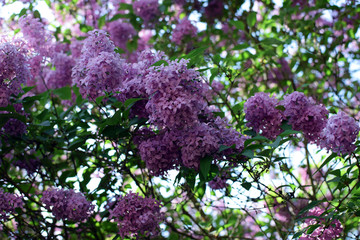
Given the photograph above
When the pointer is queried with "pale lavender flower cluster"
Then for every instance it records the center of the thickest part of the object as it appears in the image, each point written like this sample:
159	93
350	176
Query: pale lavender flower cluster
176	95
8	203
121	32
262	115
99	68
148	10
67	204
36	35
304	115
323	232
137	216
14	69
183	29
340	133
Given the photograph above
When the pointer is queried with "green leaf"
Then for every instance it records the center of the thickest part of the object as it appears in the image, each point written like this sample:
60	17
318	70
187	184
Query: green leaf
205	164
223	148
241	46
271	41
159	63
248	153
251	19
238	24
102	21
309	206
130	102
76	144
64	92
246	185
327	160
195	55
312	228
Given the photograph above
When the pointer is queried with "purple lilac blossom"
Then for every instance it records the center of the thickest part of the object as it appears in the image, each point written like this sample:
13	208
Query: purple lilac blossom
160	153
67	204
121	32
196	143
304	115
14	67
183	29
262	115
15	127
215	9
148	10
4	96
99	68
35	34
218	183
61	76
340	133
176	95
137	216
8	203
328	232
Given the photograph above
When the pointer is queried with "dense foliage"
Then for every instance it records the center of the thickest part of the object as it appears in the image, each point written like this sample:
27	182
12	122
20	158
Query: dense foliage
179	119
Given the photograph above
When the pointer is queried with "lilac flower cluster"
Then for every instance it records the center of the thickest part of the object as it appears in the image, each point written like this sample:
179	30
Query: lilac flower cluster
36	35
121	32
14	68
15	127
262	115
183	29
61	76
304	115
137	216
8	203
67	204
323	232
148	10
340	133
99	68
215	9
218	183
282	73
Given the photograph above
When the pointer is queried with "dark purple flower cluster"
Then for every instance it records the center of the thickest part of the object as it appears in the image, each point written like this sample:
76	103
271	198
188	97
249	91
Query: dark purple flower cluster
15	127
262	115
8	203
340	133
137	216
305	115
183	29
148	10
328	232
67	204
218	183
99	68
214	9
